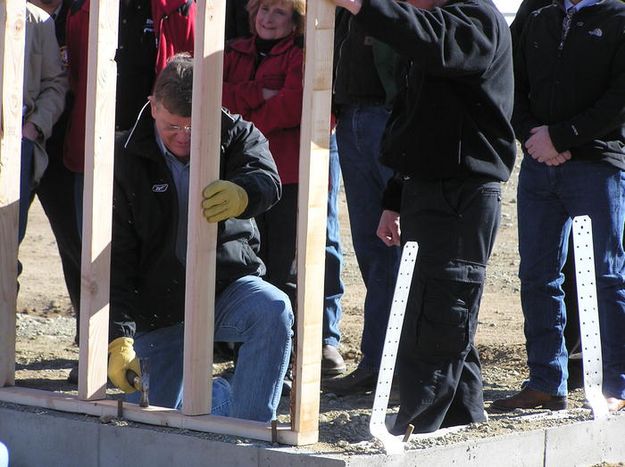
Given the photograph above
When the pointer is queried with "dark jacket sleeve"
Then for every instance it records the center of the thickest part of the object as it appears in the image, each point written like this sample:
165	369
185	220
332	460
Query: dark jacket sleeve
391	199
606	114
124	261
455	40
248	162
522	119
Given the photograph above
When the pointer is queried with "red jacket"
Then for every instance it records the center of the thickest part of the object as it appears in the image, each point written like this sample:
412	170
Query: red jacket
174	26
77	38
279	117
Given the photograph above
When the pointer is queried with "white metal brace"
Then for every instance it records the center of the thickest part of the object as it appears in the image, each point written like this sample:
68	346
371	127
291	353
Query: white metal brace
377	427
588	315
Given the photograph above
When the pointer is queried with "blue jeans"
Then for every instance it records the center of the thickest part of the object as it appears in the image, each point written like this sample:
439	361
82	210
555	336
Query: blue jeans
26	174
333	285
249	311
359	132
548	197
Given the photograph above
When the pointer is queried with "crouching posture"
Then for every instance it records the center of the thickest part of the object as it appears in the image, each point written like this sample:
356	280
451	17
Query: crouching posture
149	255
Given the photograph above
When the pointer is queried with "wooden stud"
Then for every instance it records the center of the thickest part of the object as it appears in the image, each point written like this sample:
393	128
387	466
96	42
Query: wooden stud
12	27
98	199
152	415
312	212
202	236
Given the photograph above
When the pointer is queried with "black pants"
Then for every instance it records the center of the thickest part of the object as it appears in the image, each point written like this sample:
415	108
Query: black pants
56	194
278	234
454	223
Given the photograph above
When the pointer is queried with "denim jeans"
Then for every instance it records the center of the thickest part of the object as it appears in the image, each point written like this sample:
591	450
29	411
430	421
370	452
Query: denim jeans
454	222
26	169
548	197
249	311
358	133
333	285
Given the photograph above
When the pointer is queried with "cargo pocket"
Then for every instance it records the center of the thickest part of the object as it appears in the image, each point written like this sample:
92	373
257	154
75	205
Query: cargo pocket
444	327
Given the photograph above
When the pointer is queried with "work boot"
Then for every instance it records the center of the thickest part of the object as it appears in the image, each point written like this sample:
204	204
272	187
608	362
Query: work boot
331	361
529	399
614	404
359	381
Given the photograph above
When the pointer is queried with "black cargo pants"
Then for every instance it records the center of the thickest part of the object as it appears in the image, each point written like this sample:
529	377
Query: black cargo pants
454	222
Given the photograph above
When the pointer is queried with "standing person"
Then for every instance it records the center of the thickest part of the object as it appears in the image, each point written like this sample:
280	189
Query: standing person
45	87
55	191
572	334
361	102
450	142
149	253
573	165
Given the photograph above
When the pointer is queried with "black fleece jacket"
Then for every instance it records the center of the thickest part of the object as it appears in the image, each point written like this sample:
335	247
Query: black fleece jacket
574	84
452	119
147	279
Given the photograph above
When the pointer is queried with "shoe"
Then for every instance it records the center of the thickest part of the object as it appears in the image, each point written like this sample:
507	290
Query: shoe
529	399
73	375
614	404
331	361
359	381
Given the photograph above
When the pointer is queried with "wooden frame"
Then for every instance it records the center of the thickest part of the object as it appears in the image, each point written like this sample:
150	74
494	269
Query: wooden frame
315	131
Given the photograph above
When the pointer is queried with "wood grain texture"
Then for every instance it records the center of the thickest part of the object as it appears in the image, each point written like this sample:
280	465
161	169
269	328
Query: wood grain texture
12	27
98	199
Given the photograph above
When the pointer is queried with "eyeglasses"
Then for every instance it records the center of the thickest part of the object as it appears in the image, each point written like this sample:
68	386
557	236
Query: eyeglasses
176	128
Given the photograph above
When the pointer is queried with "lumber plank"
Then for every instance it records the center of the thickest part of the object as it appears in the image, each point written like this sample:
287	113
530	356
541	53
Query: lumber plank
312	212
158	416
202	237
97	199
12	40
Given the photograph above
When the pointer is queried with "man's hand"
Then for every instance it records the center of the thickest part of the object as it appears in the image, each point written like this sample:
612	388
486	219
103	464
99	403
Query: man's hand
223	200
29	131
388	228
353	6
559	159
540	146
122	358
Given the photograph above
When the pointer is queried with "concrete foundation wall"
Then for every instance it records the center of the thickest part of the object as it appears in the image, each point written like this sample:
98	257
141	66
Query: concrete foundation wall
45	438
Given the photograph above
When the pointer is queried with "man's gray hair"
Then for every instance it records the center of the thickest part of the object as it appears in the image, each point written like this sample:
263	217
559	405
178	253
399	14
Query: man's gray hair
174	85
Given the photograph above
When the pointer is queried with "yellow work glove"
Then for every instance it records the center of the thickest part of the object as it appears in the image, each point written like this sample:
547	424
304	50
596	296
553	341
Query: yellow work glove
122	358
223	200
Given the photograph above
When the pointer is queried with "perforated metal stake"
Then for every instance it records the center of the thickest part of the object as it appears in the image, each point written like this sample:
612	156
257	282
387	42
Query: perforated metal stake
377	427
588	314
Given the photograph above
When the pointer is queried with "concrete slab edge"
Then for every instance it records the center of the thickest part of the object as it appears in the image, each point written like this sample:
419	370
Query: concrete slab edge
43	437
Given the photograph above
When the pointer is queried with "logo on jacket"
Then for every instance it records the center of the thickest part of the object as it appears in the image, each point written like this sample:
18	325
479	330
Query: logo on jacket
596	32
160	188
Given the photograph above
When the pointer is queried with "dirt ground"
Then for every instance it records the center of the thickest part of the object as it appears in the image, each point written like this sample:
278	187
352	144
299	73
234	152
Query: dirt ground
45	350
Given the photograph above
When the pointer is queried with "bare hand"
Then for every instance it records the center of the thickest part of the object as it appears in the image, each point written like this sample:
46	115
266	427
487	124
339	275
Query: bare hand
559	159
539	145
388	228
29	131
269	93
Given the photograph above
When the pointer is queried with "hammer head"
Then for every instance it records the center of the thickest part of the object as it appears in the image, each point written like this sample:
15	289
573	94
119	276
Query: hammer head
144	386
141	383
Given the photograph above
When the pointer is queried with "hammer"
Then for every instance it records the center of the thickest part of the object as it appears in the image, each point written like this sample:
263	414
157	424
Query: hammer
141	383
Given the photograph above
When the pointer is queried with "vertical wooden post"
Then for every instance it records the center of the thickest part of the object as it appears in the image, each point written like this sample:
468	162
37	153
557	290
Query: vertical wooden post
202	237
312	212
98	199
12	27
